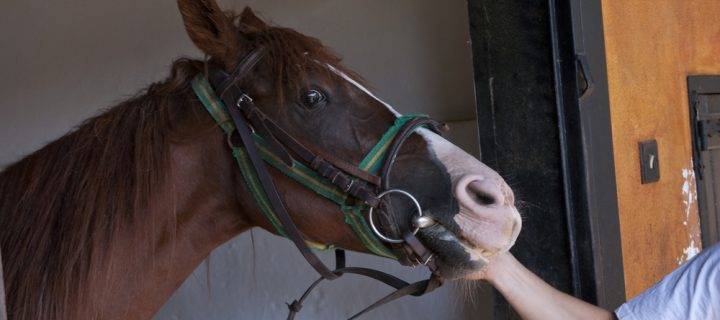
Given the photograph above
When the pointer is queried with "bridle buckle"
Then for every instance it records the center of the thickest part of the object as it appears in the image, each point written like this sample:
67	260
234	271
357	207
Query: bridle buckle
244	98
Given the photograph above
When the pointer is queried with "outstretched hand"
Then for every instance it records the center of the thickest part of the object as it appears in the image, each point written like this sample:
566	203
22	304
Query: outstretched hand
530	296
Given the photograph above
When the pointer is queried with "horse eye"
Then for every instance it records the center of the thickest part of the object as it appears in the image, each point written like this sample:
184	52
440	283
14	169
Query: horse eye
313	99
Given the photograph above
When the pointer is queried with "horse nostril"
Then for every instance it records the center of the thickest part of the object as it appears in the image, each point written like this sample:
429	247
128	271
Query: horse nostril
484	192
484	199
477	193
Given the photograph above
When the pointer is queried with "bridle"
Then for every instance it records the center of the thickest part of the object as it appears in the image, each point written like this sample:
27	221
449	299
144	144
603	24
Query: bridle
256	140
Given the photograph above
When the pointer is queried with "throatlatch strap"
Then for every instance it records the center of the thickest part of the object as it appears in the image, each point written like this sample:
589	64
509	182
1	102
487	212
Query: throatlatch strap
256	151
298	172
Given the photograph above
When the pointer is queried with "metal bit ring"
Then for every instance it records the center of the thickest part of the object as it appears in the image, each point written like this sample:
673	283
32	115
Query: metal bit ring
372	209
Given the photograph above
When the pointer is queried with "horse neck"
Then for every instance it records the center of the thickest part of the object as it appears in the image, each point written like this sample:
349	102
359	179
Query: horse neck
195	212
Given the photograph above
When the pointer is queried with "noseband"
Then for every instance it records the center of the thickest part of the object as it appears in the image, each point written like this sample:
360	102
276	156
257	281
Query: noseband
257	140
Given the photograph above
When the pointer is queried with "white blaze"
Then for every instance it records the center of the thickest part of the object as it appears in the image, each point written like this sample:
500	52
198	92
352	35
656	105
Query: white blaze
363	89
457	162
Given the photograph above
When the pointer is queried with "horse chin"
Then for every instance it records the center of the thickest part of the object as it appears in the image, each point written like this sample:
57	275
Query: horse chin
455	257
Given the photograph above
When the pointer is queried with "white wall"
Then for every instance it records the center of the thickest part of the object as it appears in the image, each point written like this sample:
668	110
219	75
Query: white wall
63	61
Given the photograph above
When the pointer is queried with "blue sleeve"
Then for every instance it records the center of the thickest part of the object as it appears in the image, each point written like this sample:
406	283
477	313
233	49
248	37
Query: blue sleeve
691	292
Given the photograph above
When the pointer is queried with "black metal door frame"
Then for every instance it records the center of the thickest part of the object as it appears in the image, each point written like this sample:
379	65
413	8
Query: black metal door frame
709	221
544	122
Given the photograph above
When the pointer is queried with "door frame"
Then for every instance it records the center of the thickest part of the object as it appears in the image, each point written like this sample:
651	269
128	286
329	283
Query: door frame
588	114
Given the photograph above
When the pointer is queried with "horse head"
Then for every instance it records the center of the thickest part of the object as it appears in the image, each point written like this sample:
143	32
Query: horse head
303	87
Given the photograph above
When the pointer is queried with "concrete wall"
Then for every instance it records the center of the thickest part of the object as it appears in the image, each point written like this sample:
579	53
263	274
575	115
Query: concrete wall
63	61
652	46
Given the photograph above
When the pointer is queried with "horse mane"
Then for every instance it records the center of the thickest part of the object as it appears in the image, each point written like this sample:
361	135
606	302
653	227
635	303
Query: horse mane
63	206
67	206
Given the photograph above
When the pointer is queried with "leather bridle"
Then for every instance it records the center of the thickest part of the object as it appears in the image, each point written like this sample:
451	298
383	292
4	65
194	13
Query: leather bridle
256	138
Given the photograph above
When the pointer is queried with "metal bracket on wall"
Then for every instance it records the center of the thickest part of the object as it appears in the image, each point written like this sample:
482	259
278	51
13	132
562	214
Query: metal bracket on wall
649	161
585	81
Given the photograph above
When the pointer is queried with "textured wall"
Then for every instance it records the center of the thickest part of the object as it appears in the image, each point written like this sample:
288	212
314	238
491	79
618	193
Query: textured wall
63	61
652	46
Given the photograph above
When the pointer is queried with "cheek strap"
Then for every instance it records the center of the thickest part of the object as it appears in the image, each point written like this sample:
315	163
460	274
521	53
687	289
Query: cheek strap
251	150
304	174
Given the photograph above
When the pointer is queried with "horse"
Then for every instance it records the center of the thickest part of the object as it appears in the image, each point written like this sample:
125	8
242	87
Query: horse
109	220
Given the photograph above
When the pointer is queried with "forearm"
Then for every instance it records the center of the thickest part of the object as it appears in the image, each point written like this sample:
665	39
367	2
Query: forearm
534	299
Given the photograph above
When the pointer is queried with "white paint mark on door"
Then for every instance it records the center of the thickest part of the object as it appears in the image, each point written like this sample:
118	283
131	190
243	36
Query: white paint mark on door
689	195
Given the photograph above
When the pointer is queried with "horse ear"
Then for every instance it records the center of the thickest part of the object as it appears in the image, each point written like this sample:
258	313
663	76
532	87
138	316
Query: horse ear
249	19
210	29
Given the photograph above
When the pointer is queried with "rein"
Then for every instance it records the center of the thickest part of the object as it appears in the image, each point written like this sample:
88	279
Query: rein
256	140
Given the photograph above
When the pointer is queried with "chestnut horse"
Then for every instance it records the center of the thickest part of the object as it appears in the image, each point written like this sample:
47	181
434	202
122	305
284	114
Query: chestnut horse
109	220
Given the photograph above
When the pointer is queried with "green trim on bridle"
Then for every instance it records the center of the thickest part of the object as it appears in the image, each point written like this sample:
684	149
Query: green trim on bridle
301	173
374	159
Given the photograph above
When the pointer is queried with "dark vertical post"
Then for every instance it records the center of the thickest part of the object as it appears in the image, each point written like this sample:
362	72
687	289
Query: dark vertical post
3	315
517	115
541	87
